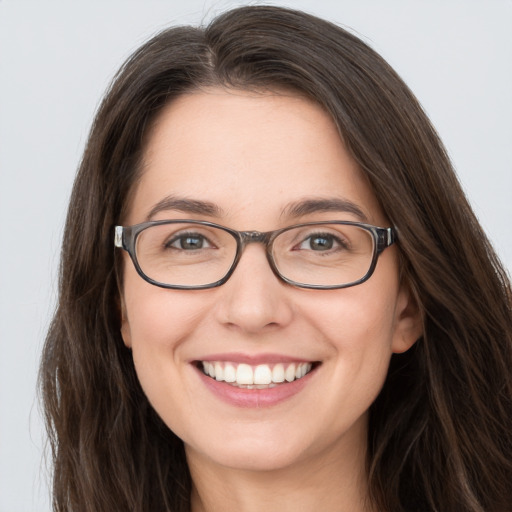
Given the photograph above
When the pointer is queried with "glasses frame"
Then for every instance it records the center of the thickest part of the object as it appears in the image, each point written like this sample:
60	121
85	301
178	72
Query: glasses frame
126	238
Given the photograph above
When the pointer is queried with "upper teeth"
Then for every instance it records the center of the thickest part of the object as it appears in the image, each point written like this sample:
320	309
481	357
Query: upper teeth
262	374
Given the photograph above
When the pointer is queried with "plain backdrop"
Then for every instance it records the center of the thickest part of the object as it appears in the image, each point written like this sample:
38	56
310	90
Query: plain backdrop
56	59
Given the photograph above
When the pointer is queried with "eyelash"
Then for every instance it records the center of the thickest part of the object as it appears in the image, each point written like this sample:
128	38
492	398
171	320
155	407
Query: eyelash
183	236
340	244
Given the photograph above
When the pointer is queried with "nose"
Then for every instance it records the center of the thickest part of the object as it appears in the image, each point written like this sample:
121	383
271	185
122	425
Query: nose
254	299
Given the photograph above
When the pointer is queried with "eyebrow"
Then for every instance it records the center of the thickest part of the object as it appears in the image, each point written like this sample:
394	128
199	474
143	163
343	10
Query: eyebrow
320	205
185	205
294	210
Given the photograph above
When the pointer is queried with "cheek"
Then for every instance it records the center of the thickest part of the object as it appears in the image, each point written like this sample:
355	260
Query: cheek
157	316
357	327
354	318
157	322
160	322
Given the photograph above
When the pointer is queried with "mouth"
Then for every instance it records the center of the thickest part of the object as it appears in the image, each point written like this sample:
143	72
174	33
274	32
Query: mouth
261	376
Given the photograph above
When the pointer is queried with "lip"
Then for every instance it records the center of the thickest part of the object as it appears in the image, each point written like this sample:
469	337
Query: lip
251	359
254	398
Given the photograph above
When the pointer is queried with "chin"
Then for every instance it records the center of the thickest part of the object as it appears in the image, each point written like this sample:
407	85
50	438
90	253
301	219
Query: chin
252	453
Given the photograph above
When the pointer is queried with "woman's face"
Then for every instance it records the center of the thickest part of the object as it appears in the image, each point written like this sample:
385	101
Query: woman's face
246	161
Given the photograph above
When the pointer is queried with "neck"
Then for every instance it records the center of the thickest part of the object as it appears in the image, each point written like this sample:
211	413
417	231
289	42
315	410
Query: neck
332	482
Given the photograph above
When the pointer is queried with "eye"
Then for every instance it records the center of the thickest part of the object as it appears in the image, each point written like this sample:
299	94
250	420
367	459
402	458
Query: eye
188	242
321	242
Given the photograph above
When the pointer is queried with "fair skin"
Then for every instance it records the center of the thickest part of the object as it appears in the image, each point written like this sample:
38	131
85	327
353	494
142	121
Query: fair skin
252	156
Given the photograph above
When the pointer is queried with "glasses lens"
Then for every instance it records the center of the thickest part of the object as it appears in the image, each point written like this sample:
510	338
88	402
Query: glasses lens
324	254
185	254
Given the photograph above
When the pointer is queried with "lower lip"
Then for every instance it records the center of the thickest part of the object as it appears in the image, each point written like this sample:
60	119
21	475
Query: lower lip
242	397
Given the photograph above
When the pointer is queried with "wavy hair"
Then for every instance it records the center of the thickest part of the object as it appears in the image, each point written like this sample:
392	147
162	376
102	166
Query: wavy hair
440	433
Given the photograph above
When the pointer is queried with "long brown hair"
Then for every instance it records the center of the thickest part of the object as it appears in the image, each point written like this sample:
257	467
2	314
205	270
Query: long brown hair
440	435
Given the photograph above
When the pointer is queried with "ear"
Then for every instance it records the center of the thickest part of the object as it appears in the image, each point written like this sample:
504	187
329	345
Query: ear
125	325
408	321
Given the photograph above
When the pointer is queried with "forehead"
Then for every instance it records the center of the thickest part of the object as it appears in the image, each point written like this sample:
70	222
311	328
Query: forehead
249	154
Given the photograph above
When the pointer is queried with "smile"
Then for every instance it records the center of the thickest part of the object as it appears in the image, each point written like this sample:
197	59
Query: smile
260	376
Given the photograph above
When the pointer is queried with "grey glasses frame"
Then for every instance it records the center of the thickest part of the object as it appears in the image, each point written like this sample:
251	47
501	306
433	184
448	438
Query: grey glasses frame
126	238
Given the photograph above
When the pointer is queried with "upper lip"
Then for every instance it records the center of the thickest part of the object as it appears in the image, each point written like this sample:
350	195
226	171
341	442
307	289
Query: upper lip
253	359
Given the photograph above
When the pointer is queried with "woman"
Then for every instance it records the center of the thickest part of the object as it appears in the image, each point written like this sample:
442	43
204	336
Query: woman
300	311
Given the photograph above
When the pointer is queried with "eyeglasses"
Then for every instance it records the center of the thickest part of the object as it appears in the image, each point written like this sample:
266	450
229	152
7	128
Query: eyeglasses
193	254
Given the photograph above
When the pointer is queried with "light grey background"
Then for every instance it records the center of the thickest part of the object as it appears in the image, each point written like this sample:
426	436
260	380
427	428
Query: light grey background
56	58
